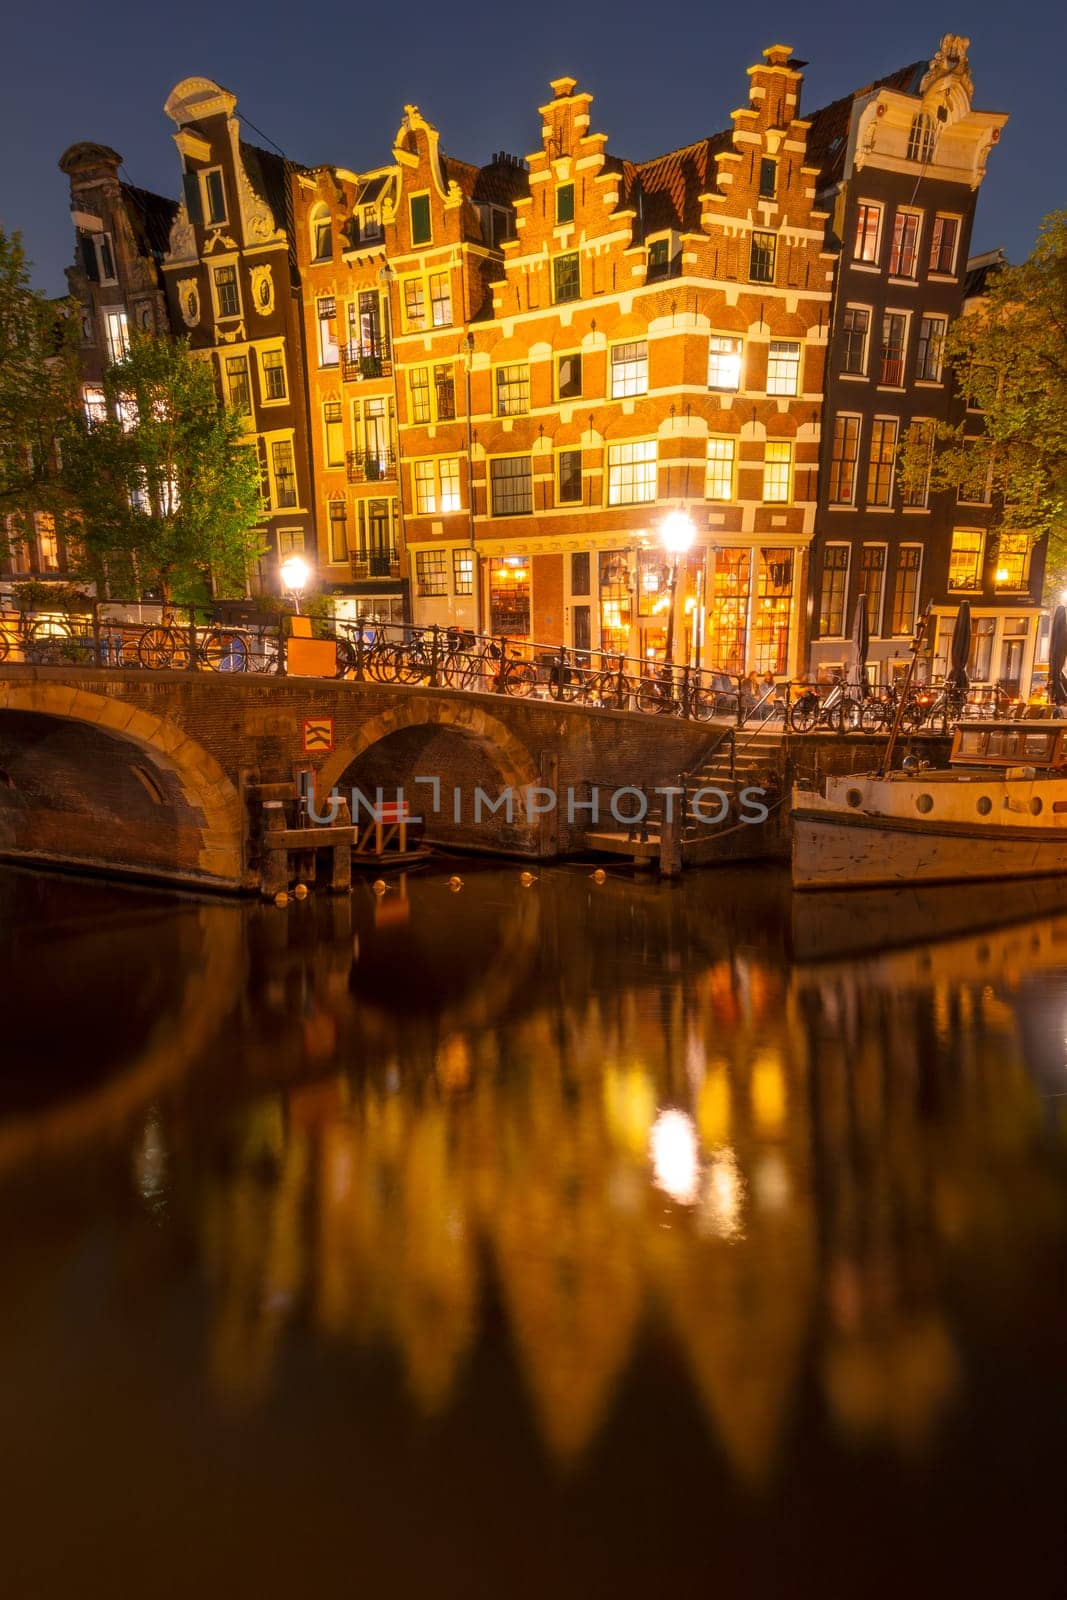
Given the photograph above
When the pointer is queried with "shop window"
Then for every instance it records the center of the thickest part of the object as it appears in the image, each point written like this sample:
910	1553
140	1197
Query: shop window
727	625
615	601
509	596
774	605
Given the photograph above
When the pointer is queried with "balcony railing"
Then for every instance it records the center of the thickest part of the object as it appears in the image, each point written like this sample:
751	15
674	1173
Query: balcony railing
892	372
376	564
358	364
377	468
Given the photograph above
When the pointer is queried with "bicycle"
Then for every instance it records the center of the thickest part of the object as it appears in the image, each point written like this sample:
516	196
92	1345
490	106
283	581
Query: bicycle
48	641
835	710
604	686
165	646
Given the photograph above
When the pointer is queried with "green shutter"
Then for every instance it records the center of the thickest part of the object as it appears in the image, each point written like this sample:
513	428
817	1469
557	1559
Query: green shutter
420	219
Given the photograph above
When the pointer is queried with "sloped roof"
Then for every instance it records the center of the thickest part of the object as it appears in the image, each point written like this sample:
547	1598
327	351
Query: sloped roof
501	181
150	216
980	269
665	191
268	173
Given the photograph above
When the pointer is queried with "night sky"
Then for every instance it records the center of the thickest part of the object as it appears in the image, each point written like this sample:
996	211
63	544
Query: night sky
328	82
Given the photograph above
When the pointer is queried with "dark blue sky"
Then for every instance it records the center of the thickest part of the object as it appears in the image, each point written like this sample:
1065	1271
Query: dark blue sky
327	82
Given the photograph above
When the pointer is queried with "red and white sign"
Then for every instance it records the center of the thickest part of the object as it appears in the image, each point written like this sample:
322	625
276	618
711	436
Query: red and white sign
318	736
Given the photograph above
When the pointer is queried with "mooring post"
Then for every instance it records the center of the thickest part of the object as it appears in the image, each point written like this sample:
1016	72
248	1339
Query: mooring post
274	867
341	865
670	837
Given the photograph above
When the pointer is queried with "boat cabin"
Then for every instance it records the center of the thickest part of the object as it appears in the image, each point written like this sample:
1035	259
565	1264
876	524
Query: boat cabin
1011	744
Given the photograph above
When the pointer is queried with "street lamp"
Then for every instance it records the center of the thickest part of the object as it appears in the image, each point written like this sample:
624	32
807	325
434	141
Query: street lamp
676	536
296	574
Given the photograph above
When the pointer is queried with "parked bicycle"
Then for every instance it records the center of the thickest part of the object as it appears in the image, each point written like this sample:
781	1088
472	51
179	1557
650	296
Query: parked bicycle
833	708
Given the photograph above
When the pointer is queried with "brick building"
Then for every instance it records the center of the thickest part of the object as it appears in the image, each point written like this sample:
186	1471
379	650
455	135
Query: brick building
654	342
901	162
116	280
233	287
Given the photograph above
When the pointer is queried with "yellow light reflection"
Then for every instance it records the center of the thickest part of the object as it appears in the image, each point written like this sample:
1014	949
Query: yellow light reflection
675	1156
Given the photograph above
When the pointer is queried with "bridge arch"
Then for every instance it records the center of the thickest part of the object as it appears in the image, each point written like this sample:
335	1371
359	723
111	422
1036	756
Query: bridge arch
91	780
455	738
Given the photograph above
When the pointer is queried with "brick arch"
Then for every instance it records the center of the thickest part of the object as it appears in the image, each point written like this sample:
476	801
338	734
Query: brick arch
198	777
466	716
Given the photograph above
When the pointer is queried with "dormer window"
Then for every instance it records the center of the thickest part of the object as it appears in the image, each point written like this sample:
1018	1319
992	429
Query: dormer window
659	260
371	226
98	259
565	203
205	197
921	139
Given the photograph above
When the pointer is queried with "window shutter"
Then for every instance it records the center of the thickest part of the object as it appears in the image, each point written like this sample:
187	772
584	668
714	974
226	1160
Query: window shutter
191	185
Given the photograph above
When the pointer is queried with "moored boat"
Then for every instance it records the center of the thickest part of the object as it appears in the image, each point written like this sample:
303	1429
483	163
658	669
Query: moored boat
999	810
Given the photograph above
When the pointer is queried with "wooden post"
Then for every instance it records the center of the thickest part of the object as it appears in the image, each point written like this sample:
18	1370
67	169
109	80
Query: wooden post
670	837
274	867
341	865
548	821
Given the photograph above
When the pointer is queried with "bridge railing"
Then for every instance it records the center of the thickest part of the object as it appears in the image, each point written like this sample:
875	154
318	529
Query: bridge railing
234	639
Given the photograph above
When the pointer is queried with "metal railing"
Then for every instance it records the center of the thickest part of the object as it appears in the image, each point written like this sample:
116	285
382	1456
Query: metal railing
376	466
358	363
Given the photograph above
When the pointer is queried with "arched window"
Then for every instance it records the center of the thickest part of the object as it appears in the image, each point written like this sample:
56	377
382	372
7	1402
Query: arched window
921	139
321	233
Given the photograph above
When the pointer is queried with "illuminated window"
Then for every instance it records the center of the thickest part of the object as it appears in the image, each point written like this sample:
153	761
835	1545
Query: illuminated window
419	394
632	473
629	369
774	605
284	473
448	478
844	452
1013	561
463	571
867	244
444	391
724	363
425	488
117	335
904	252
440	299
872	584
436	486
509	596
338	516
414	304
47	541
513	390
719	483
965	560
855	328
834	592
777	471
882	461
783	367
95	404
510	486
761	257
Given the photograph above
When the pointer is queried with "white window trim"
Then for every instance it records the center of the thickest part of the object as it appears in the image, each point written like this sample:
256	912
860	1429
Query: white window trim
903	277
274	346
838	544
213	265
202	178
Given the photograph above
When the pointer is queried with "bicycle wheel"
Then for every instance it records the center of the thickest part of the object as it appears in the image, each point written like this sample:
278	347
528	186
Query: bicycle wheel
849	716
702	704
345	654
913	716
565	683
156	648
224	652
803	715
654	698
520	678
872	716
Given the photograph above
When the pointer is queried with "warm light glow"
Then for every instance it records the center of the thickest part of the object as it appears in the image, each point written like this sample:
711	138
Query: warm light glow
1002	574
677	533
675	1158
295	574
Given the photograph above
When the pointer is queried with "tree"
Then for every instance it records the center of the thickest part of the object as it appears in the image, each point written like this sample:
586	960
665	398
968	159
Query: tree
167	487
1009	358
38	390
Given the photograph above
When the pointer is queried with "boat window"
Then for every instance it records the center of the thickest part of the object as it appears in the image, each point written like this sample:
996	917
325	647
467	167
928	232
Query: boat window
1039	746
924	803
984	806
971	742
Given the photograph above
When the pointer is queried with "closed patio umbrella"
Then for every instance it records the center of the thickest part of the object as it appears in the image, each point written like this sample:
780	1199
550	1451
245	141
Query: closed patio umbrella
1057	658
861	638
960	649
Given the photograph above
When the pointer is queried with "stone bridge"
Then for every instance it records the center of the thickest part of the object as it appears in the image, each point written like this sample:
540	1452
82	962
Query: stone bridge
161	774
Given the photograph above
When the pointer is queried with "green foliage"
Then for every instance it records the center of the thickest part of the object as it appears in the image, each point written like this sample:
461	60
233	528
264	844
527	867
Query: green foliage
64	597
167	488
38	388
1009	358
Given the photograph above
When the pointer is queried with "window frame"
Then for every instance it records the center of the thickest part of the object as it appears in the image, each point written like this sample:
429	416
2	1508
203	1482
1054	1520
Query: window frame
226	266
956	220
770	251
562	189
333	428
839	464
975	556
322	321
561	357
796	364
727	460
884	463
839	574
924	344
511	394
561	498
332	523
570	259
897	250
868	260
848	341
875	619
496	479
785	461
718	355
631	472
421	198
627	375
905	318
901	631
266	397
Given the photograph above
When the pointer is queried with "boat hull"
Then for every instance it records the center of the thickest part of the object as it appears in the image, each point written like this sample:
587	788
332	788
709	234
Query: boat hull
832	849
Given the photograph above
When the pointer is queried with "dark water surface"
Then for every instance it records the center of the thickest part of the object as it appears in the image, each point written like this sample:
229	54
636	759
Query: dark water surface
562	1239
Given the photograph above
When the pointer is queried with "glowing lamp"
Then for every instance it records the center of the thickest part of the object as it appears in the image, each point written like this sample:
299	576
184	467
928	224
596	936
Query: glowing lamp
677	533
295	574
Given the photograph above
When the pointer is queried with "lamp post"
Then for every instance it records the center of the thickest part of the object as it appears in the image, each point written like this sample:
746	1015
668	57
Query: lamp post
295	574
676	536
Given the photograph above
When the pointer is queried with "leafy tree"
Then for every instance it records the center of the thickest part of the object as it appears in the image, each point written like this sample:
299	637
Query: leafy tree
167	488
38	389
1009	358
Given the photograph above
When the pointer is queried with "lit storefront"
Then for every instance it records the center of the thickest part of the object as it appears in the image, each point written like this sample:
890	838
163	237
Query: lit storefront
509	596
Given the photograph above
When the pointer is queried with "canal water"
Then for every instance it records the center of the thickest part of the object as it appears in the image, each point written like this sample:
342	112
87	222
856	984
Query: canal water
563	1238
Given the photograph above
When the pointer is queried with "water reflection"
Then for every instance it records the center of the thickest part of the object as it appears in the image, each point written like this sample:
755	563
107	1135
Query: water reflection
558	1128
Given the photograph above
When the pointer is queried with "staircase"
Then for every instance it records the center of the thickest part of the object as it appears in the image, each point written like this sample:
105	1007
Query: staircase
739	758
